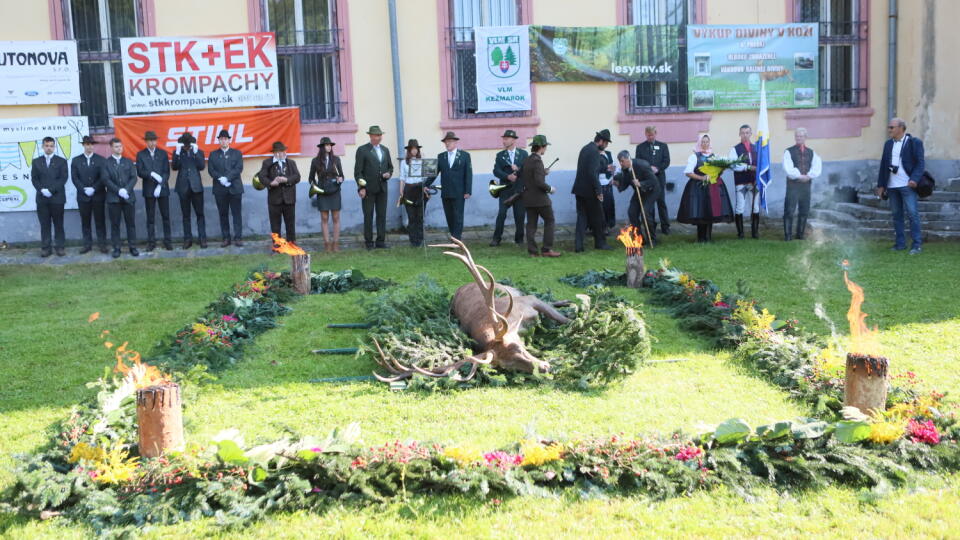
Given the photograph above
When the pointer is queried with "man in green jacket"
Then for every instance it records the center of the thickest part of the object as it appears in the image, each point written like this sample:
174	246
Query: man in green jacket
506	167
372	168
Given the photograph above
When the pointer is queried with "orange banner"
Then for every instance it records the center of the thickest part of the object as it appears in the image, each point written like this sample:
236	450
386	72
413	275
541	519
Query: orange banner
253	130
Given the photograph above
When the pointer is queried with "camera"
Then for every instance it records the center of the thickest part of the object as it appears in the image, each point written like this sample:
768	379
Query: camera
894	169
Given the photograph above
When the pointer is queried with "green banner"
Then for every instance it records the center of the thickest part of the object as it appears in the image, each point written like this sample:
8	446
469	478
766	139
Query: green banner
726	64
603	53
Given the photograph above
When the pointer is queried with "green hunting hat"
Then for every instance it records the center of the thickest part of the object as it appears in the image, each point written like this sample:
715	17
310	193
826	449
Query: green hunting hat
510	133
374	130
412	143
450	135
539	140
279	147
325	140
149	136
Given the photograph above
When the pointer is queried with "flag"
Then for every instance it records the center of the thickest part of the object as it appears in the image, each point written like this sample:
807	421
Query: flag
763	152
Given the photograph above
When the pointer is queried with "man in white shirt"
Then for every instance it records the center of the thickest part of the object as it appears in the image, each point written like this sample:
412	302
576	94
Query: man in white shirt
456	181
901	168
802	165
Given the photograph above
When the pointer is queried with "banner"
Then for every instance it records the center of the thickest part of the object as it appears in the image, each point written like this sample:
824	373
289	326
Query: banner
39	72
604	53
21	141
503	68
185	73
726	66
253	131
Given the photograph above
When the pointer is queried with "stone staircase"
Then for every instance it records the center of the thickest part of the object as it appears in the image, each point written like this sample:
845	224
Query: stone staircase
939	215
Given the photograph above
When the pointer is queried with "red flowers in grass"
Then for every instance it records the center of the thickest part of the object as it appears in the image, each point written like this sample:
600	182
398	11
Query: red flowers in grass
923	432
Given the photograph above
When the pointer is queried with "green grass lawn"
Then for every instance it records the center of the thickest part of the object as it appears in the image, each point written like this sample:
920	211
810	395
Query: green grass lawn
47	353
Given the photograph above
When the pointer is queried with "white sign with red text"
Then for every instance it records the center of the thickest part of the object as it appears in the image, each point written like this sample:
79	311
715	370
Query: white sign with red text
185	73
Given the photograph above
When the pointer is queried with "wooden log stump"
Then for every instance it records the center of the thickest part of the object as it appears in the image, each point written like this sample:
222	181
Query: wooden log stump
160	419
865	385
634	267
300	272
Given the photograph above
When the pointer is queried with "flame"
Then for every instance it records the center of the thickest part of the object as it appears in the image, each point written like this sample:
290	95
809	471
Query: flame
863	340
280	245
630	237
142	375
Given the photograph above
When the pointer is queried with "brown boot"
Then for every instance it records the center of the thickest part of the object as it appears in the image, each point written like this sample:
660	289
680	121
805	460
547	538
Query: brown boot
327	248
336	246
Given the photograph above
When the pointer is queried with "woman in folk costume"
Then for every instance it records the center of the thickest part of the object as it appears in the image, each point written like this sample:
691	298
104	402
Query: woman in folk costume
413	194
326	174
705	201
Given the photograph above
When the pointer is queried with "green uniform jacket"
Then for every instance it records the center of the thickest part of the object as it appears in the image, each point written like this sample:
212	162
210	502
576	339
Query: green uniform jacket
371	169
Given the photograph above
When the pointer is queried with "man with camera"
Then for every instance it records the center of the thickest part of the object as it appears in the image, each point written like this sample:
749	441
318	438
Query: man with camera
189	161
802	165
901	168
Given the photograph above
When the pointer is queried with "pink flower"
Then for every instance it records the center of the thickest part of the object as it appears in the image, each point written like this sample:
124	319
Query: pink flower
229	318
687	453
502	460
723	305
316	450
923	432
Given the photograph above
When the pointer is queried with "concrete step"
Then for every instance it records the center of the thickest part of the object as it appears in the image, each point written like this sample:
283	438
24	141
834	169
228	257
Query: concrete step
952	185
842	231
883	220
944	196
924	206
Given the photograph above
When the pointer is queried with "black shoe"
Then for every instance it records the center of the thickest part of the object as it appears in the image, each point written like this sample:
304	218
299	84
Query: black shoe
738	220
46	252
203	244
238	242
665	230
187	244
167	245
116	254
135	252
494	243
85	249
787	229
103	249
382	246
369	246
151	246
60	252
755	226
604	247
225	243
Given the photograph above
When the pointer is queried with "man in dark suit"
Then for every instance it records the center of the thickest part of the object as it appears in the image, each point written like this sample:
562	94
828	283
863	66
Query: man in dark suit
190	161
225	166
120	178
372	168
48	172
281	175
153	168
638	174
657	154
456	182
586	188
606	188
901	168
86	171
506	167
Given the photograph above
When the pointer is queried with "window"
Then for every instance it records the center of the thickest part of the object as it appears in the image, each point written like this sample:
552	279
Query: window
308	61
842	34
97	26
662	96
465	15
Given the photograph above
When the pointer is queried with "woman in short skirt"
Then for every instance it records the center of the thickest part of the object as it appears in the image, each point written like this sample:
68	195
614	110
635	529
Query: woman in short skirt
326	173
703	204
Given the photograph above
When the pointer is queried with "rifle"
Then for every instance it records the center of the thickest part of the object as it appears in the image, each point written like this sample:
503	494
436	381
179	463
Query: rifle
508	202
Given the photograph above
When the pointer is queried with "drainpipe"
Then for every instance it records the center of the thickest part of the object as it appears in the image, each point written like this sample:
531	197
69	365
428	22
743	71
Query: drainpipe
395	58
892	60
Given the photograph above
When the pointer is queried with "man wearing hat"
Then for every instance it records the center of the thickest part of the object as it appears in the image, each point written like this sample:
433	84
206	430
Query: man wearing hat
120	177
372	168
225	165
48	172
153	167
281	176
506	167
86	170
586	187
456	182
536	199
190	161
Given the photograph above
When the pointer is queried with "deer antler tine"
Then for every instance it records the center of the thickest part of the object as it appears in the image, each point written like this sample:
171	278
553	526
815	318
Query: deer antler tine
399	377
470	375
446	246
510	298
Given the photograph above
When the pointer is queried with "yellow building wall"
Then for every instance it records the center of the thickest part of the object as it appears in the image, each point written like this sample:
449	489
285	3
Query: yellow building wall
38	29
201	18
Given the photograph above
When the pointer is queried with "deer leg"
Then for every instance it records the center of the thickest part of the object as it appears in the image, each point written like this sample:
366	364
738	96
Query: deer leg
549	311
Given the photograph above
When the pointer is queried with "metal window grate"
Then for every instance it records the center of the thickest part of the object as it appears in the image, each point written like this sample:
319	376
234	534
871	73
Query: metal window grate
843	32
652	97
465	15
308	56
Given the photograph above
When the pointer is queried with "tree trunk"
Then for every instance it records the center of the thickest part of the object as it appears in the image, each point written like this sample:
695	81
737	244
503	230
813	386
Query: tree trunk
300	272
865	386
160	419
634	267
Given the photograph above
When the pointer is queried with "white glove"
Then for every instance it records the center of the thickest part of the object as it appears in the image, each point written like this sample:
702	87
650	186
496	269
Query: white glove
194	149
224	181
156	177
123	193
88	191
46	193
156	191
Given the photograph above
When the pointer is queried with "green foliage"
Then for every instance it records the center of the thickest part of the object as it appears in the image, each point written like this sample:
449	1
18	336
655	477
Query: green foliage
344	281
604	277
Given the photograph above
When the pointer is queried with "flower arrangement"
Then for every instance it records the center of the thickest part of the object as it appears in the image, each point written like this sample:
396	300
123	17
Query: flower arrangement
714	166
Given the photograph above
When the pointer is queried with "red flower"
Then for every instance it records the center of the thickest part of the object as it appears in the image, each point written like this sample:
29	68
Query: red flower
923	432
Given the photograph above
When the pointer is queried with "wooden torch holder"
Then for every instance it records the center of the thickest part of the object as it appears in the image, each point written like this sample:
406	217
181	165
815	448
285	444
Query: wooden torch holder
865	385
300	272
160	419
634	267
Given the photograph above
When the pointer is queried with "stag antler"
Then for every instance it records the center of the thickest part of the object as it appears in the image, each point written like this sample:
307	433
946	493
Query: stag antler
489	288
399	372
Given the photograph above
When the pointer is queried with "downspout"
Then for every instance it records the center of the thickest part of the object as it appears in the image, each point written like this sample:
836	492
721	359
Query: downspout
397	90
892	60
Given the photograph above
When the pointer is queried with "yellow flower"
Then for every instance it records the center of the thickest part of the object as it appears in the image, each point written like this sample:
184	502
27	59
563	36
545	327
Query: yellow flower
83	451
885	432
115	467
747	315
718	298
463	456
684	279
536	454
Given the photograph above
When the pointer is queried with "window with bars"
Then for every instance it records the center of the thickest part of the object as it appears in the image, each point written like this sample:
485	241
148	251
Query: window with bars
842	34
308	59
464	16
97	26
647	97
